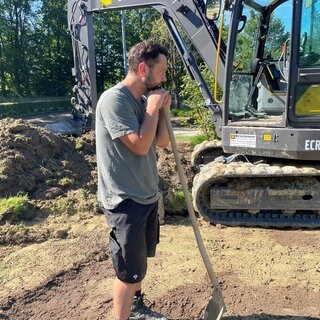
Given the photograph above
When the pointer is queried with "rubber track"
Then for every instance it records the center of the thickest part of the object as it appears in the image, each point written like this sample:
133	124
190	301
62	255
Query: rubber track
215	170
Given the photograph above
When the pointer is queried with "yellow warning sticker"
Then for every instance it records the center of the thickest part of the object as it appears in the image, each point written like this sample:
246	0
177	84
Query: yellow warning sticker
309	102
105	2
267	137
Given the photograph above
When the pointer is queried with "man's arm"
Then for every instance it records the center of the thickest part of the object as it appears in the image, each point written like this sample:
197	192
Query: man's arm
140	142
162	130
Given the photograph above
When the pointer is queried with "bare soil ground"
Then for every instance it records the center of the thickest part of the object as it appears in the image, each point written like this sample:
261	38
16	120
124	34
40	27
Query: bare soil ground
54	258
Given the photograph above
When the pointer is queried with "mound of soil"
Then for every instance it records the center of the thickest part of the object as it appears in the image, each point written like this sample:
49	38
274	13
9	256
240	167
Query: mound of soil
58	175
36	162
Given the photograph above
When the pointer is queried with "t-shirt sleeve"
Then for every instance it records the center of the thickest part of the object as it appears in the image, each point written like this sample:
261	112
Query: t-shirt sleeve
118	115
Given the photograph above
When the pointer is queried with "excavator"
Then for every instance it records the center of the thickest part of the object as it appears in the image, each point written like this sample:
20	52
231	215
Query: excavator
265	57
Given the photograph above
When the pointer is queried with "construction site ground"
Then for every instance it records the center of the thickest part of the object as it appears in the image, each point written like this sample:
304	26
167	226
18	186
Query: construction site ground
54	257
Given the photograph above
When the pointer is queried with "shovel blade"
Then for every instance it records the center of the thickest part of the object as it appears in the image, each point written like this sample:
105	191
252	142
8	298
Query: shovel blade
215	308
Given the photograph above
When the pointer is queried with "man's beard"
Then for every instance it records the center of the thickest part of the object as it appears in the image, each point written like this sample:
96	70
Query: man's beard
150	85
154	88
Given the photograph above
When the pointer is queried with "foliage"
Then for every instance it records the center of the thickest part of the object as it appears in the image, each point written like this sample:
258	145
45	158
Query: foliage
16	54
13	208
66	181
109	42
35	48
52	51
310	40
185	111
177	202
247	40
79	143
108	48
140	25
193	98
176	69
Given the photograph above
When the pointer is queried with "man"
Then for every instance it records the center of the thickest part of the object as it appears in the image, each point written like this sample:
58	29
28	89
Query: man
129	125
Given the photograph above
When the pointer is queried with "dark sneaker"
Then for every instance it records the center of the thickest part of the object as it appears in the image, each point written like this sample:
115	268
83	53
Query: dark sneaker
140	311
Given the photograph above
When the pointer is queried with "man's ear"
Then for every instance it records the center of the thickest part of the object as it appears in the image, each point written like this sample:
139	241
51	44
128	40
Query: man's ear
142	69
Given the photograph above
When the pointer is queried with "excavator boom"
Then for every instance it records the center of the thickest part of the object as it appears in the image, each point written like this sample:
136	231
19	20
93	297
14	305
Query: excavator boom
189	14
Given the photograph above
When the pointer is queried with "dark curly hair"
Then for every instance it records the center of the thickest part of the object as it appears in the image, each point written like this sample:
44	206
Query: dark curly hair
146	51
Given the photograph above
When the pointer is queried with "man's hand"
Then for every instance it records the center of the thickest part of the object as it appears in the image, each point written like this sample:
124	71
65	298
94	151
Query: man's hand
166	101
140	142
158	98
162	131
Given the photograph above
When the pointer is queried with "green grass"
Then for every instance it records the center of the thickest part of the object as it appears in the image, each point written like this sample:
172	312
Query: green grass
177	202
66	181
30	106
193	140
79	143
13	207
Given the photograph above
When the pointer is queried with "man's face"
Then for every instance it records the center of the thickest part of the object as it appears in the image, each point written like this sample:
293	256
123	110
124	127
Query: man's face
156	75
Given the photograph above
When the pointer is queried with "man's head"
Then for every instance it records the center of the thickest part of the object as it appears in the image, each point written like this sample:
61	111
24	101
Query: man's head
148	59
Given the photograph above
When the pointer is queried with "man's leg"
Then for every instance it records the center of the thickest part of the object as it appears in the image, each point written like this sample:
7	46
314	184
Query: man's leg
123	294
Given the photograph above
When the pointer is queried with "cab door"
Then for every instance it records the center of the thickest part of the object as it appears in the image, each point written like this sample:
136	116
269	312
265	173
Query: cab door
304	73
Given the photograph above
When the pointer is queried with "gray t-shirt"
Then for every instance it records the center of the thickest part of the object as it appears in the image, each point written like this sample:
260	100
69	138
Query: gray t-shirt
121	173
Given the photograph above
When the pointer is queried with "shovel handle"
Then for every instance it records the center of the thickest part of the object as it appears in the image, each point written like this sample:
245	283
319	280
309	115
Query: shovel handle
191	212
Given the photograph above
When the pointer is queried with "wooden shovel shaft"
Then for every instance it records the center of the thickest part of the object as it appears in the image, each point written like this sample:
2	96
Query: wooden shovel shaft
192	215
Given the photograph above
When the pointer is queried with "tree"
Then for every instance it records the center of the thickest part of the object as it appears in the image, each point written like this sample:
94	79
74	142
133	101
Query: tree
3	73
139	25
176	69
247	39
16	27
108	48
193	97
53	52
108	41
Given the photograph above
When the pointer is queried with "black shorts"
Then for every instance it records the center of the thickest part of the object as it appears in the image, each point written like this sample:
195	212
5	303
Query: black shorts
133	238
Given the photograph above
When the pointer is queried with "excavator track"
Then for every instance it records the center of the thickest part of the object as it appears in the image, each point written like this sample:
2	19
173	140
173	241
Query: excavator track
247	194
206	152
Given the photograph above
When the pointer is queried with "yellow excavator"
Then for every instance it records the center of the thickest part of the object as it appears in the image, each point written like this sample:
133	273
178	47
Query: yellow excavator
265	56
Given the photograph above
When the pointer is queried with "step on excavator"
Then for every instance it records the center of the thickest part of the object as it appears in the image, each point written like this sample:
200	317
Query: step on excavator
265	57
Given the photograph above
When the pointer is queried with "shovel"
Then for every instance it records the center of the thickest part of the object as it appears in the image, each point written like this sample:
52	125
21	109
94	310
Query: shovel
216	306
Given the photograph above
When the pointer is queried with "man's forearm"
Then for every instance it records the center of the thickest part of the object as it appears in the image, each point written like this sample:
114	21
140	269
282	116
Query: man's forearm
162	131
148	128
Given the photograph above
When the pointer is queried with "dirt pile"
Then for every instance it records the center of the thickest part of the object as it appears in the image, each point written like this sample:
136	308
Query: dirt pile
45	166
169	181
58	175
39	163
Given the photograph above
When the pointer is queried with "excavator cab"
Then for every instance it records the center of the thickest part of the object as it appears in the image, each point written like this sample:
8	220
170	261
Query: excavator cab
272	85
267	171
